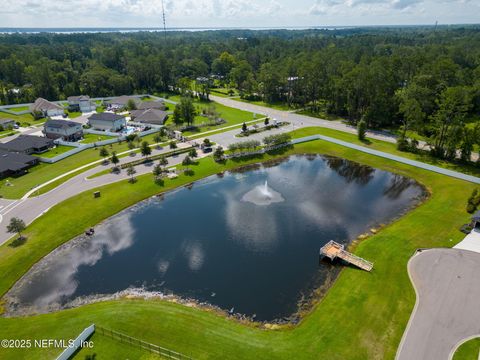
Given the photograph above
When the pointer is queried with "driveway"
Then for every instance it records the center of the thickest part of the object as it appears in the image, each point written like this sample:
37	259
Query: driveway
447	311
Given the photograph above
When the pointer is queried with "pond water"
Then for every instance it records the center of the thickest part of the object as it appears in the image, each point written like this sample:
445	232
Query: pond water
247	240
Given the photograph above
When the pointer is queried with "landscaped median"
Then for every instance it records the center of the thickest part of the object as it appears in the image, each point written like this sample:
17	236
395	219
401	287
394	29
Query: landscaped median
362	316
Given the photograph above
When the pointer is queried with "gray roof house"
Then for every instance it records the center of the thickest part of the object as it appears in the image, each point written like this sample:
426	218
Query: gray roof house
476	220
47	108
63	129
81	103
122	101
15	164
145	105
28	144
107	121
7	123
150	116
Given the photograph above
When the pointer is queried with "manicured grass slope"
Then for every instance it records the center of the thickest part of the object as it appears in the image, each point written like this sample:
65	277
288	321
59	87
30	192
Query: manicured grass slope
469	350
362	316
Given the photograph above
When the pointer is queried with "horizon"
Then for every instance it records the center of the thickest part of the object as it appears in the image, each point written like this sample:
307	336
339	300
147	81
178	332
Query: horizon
236	14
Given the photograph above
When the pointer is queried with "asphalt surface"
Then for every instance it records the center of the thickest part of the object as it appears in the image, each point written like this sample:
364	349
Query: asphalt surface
447	312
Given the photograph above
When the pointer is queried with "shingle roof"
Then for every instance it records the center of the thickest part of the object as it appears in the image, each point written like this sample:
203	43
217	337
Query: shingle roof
10	161
476	216
105	117
78	98
150	116
123	100
25	142
43	105
145	105
6	121
60	124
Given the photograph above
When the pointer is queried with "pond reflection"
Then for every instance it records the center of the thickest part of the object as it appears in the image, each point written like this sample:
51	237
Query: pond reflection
208	244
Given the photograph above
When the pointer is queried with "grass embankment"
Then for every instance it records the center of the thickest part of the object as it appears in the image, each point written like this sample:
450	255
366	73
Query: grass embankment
388	148
469	350
362	316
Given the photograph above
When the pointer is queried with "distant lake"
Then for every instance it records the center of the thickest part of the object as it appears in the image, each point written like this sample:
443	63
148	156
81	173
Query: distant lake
233	240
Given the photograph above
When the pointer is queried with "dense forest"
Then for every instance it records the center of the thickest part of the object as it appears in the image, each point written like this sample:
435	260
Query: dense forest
421	79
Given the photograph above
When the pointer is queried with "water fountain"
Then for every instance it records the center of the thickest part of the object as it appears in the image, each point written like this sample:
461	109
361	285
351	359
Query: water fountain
263	195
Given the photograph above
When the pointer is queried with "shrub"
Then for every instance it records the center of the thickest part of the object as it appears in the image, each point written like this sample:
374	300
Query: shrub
362	130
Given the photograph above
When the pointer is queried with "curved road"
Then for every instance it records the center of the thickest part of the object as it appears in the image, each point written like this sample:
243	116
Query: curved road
447	285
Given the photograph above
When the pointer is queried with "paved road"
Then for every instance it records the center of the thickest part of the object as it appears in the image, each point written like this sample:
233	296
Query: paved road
300	121
447	312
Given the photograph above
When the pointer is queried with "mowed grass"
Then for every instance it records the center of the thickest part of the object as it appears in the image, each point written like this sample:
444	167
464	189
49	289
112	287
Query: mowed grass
469	350
20	108
362	316
57	150
93	138
24	120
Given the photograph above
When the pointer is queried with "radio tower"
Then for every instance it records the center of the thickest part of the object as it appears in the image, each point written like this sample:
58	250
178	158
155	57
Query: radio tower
164	21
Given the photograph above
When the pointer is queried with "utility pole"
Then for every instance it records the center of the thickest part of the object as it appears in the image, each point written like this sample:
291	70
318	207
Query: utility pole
164	21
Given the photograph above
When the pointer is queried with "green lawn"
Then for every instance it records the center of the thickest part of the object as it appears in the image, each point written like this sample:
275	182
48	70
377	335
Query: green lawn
362	316
20	108
24	120
44	172
107	348
469	350
230	115
277	106
223	92
321	115
59	149
92	138
6	133
74	114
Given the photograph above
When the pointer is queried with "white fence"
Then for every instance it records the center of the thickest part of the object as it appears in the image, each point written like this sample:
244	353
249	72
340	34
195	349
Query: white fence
69	351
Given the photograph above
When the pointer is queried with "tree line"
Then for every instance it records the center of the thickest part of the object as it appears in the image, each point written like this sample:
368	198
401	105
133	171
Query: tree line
419	79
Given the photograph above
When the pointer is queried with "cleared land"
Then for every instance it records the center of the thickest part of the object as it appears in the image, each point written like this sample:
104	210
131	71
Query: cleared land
362	316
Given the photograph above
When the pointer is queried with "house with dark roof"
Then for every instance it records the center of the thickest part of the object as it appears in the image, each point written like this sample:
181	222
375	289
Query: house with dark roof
121	102
63	129
81	103
28	144
15	164
145	105
107	121
476	220
47	108
6	124
150	116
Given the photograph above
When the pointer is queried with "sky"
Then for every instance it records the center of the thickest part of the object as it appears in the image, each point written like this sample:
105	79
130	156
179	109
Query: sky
235	13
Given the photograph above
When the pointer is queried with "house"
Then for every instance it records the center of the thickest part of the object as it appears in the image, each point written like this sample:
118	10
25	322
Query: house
63	129
81	103
15	164
7	124
47	108
107	122
476	220
28	144
121	102
150	116
145	105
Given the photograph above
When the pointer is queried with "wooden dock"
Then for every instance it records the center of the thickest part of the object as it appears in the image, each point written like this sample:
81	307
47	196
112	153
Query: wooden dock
334	250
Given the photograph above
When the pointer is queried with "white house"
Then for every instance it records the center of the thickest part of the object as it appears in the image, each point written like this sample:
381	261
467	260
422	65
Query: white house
107	121
81	103
63	129
47	108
